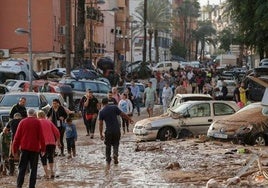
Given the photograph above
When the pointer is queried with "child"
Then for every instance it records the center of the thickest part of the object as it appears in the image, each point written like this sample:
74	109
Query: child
5	139
71	137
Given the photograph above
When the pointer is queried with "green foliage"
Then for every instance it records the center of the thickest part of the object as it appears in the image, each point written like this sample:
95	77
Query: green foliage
178	49
252	20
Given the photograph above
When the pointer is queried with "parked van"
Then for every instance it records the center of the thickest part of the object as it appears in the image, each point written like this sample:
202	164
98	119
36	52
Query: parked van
166	66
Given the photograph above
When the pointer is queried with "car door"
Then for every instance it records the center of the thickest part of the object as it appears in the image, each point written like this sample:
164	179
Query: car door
198	119
79	90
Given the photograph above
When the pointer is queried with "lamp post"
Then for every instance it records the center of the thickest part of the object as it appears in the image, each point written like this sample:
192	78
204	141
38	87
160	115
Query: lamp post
29	33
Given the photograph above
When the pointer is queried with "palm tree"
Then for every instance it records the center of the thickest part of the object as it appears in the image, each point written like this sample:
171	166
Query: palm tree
204	34
80	33
157	19
187	12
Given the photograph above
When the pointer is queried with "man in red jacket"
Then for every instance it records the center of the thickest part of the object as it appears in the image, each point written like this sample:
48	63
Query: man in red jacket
30	141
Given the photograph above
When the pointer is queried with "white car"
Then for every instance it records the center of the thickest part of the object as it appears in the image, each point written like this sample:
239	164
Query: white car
56	71
180	98
15	68
188	119
15	85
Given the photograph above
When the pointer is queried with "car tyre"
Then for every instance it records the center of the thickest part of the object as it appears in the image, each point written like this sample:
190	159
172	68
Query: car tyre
185	133
167	133
259	140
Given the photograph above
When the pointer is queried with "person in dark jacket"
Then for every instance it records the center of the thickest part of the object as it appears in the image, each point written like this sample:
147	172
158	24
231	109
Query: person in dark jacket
90	110
20	108
57	114
224	91
13	125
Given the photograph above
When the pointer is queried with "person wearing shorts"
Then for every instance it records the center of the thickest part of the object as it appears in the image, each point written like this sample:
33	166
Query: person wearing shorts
149	98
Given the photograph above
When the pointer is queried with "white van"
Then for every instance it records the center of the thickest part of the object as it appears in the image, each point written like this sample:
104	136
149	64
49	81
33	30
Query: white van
166	66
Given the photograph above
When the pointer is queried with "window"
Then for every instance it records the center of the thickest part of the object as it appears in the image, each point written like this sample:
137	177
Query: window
160	66
103	88
200	110
78	86
168	65
92	86
221	109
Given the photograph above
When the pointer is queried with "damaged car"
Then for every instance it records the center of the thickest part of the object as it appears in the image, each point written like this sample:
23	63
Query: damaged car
247	126
187	119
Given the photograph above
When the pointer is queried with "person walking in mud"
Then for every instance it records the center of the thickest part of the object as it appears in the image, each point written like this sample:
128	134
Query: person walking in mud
109	114
149	98
57	114
29	140
90	111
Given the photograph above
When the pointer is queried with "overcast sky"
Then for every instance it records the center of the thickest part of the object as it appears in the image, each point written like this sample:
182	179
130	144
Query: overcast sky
211	2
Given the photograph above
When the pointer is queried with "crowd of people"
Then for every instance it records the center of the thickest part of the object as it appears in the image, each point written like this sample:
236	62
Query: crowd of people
31	134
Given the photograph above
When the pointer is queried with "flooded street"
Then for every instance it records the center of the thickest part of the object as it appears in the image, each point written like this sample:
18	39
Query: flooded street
177	163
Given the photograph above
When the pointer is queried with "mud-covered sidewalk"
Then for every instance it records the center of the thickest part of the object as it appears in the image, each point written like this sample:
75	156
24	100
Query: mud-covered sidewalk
177	163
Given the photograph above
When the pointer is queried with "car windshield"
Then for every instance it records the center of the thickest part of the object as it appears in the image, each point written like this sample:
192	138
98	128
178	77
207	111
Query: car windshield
10	100
181	109
10	83
50	97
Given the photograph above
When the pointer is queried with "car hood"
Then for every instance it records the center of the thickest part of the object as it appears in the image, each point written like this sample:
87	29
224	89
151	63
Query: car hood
155	120
242	119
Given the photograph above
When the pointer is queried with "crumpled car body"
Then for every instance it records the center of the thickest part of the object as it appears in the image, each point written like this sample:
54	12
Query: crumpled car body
187	119
247	126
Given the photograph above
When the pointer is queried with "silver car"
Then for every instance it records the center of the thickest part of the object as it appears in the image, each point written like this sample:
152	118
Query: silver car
188	119
15	68
34	100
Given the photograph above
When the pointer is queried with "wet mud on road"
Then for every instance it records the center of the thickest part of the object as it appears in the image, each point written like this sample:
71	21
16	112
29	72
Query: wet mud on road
176	163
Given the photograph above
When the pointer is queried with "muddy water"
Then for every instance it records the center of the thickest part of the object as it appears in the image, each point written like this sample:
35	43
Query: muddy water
176	163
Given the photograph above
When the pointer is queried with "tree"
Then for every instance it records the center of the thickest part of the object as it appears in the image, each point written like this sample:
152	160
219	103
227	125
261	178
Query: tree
187	12
252	20
158	19
177	48
204	34
80	33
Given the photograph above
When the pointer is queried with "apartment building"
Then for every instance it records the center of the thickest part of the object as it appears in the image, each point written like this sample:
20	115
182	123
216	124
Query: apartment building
48	30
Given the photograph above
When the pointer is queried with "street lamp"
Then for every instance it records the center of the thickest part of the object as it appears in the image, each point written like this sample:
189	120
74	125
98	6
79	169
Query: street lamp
22	31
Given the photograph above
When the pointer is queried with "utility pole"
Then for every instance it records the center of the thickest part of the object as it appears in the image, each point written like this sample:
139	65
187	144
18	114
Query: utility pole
145	33
68	36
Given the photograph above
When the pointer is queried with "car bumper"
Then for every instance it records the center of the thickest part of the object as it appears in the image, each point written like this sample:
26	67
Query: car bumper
220	135
144	134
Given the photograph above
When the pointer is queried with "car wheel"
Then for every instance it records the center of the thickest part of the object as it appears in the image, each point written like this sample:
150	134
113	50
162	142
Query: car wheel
21	76
166	133
259	140
185	133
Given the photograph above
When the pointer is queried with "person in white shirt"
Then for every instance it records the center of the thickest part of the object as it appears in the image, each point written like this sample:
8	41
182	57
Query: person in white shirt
125	106
166	96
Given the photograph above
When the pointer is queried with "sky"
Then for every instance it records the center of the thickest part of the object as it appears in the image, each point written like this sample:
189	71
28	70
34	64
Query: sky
211	2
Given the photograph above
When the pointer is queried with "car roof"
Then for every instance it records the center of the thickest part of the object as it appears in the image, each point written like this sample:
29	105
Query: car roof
23	93
211	101
193	95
